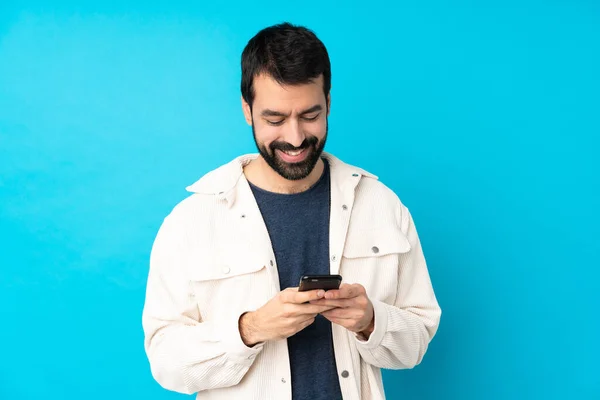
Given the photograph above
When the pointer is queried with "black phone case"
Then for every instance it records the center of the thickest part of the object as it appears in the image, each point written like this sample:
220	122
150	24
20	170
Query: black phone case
324	282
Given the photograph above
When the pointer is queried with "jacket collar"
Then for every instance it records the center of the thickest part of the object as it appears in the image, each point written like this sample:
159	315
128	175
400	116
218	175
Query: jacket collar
224	179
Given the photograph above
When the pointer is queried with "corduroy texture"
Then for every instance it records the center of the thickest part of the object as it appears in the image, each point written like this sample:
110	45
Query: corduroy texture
212	260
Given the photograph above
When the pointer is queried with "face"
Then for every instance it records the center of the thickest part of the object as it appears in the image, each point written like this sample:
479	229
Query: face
289	124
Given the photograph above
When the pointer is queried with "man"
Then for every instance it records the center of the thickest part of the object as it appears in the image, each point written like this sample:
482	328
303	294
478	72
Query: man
223	315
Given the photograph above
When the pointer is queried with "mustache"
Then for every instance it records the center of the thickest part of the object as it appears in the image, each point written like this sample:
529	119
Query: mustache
284	146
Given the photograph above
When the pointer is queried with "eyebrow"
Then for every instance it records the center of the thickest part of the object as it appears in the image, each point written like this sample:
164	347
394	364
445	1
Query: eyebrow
272	113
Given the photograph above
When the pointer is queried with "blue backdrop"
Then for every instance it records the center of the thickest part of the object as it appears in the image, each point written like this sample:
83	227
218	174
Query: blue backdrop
108	111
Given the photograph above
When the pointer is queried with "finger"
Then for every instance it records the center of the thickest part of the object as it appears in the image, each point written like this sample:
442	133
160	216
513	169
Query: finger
341	303
306	323
304	297
346	291
286	294
306	317
338	293
333	294
341	313
341	322
351	291
304	309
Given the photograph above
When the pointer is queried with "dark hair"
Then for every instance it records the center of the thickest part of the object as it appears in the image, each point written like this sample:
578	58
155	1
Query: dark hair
289	54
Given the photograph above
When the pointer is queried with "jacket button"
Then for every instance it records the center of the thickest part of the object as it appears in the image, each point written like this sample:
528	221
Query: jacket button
344	207
271	262
282	380
345	374
375	249
226	270
355	175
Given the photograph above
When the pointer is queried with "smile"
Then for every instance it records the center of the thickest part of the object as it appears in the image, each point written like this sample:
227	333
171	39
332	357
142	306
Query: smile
294	156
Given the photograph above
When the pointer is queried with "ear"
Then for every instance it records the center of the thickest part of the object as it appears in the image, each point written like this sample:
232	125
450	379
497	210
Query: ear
247	111
328	104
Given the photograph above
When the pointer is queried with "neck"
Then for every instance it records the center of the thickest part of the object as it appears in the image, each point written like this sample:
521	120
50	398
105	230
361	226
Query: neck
260	174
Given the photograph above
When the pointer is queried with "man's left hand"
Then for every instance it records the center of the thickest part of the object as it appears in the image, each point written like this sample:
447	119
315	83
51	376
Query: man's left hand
354	310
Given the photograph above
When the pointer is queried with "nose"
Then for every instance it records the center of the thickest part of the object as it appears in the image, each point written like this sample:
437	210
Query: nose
293	134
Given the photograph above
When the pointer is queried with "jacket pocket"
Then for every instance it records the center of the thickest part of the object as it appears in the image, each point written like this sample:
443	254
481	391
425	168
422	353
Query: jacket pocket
203	271
228	287
371	258
375	243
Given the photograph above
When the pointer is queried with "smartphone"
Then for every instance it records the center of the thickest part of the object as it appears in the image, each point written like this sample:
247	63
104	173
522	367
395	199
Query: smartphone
324	282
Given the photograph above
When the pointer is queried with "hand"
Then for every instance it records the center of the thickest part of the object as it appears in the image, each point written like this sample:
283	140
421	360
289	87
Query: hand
281	317
352	308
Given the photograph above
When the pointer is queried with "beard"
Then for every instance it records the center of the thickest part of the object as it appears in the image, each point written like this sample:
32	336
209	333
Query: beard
292	171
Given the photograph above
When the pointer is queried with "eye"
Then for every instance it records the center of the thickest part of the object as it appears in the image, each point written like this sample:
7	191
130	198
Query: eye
275	123
311	118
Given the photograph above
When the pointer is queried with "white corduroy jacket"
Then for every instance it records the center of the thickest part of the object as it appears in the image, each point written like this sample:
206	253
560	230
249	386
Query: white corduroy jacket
212	260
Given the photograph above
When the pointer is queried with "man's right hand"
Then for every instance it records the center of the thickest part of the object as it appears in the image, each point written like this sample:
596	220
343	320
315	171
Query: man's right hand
281	317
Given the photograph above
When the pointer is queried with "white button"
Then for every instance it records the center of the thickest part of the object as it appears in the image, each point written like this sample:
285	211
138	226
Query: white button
226	270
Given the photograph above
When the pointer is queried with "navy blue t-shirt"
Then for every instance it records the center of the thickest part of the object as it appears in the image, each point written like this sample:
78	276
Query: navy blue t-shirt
298	226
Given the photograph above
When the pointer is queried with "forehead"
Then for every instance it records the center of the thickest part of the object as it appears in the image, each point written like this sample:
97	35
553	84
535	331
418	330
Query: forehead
268	93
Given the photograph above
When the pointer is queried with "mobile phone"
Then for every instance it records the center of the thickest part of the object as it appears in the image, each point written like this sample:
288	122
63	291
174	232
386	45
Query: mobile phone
324	282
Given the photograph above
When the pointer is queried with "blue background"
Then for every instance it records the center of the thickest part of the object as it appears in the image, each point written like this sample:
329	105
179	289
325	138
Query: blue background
482	116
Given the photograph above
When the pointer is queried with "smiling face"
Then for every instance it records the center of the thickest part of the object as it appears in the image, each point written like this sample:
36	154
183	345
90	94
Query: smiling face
289	123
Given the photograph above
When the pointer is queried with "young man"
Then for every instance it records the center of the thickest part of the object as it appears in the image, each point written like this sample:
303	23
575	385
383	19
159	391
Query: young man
223	315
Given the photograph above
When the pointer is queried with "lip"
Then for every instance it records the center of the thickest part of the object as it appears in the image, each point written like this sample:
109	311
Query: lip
293	159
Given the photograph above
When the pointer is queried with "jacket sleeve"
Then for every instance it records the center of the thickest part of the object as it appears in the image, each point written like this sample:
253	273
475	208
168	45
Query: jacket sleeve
404	329
186	354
